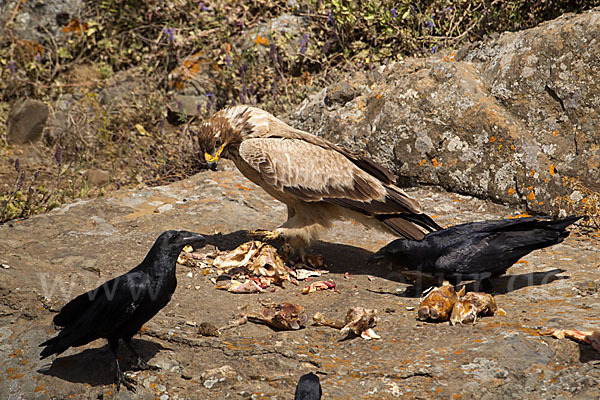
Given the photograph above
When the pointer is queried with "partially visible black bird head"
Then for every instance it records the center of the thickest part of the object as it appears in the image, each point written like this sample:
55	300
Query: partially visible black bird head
392	249
309	388
175	241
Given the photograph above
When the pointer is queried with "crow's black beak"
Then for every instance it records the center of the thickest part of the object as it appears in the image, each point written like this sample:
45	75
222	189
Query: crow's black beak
193	239
377	257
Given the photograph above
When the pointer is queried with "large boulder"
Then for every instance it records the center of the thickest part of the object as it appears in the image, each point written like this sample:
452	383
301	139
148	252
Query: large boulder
515	119
26	121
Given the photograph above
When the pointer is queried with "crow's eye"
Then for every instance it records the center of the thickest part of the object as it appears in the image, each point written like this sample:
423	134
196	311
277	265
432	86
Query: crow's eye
175	237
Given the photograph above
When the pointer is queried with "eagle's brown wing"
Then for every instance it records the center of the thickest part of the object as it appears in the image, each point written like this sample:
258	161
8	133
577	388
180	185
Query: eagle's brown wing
314	173
261	124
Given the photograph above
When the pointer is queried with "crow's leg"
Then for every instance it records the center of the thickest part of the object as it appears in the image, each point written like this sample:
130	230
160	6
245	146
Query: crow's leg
140	364
121	377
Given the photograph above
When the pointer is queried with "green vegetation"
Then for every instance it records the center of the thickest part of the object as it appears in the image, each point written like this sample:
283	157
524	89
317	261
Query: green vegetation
244	64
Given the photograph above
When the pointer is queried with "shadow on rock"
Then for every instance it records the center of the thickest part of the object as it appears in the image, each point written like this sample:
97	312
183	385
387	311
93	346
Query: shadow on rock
499	285
339	258
76	368
228	241
508	283
587	353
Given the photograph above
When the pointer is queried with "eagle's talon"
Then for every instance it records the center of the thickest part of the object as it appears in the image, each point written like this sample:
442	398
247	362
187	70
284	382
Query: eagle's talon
265	234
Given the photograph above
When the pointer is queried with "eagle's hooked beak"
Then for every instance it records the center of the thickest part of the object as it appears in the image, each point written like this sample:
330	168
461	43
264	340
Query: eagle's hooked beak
212	160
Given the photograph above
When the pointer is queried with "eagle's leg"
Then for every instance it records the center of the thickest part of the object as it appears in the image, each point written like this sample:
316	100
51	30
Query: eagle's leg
121	377
140	364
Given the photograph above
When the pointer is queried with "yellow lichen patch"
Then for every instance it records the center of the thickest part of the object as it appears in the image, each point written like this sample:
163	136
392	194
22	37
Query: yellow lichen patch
511	191
555	133
552	169
522	262
500	147
531	196
422	162
532	172
512	146
435	162
492	139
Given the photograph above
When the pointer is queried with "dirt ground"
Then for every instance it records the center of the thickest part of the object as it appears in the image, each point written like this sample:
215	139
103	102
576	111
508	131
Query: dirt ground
50	258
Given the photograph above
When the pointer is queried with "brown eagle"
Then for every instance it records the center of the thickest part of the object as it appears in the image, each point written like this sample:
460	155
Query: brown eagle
318	181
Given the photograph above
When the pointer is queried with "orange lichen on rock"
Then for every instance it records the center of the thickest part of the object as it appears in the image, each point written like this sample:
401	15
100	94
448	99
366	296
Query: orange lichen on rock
75	26
261	40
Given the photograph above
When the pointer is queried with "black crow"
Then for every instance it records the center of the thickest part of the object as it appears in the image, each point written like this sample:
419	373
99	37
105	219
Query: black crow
477	250
309	388
117	309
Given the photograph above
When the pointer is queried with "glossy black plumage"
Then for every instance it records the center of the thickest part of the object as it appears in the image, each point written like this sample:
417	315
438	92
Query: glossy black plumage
475	250
119	307
309	388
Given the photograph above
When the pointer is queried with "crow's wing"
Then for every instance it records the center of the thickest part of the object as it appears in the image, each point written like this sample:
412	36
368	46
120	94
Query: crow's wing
489	226
99	312
478	253
115	308
127	289
495	252
513	224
